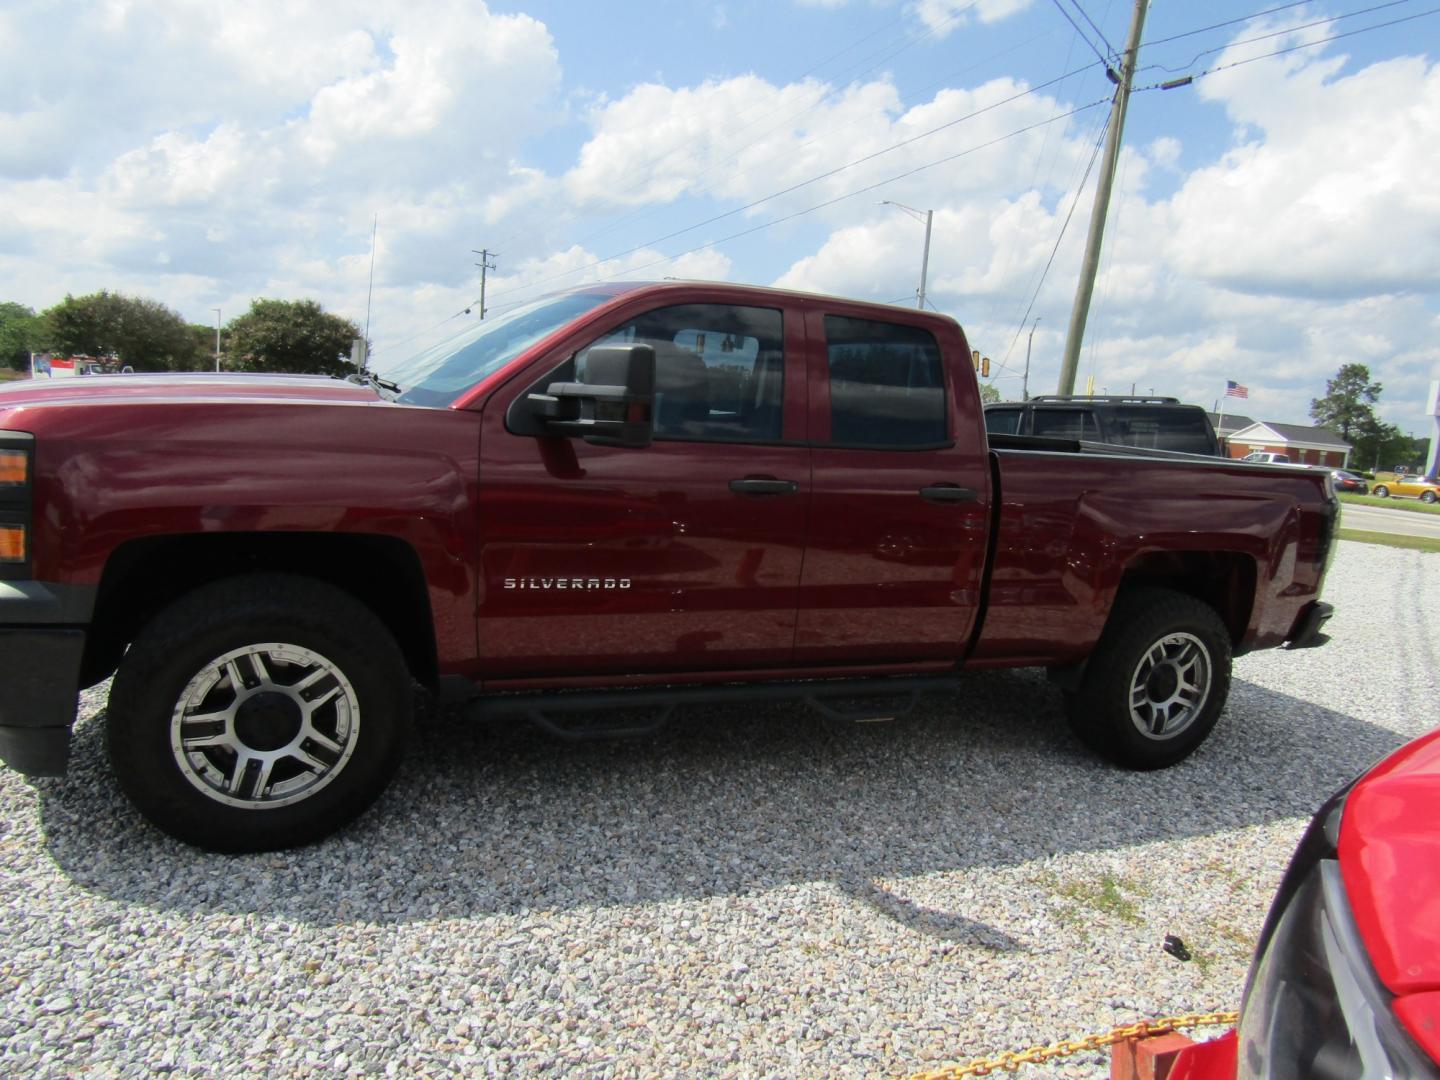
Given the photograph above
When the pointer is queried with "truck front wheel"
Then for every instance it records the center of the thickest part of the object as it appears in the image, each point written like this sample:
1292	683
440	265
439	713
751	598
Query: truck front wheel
259	712
1156	682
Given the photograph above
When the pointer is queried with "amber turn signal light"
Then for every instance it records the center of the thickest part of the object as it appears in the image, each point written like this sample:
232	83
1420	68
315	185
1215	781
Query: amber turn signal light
14	467
12	543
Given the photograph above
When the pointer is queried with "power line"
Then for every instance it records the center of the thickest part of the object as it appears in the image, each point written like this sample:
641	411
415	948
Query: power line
1081	34
1227	22
850	73
870	187
795	187
1079	190
1281	52
1099	33
800	213
1302	26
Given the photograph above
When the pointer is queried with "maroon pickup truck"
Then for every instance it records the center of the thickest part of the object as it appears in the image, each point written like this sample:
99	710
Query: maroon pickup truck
619	496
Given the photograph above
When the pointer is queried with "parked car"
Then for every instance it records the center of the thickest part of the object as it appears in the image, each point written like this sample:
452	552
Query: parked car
1151	423
1265	457
1410	487
1349	482
1346	976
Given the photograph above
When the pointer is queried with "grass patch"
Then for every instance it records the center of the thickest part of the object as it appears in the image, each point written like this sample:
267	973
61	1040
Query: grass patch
1415	506
1106	896
1409	543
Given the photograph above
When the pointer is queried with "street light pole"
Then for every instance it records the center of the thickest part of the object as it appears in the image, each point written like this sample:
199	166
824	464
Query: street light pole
1025	383
217	337
925	258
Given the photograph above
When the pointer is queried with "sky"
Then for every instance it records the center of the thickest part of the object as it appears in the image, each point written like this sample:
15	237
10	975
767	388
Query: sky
1273	219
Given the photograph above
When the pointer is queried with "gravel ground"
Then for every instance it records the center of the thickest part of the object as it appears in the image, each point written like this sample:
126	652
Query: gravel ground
755	892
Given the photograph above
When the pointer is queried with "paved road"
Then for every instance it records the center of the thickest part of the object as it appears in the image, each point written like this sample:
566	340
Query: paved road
1385	520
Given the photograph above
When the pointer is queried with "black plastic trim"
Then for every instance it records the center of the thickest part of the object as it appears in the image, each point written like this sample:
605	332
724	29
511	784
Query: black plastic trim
39	687
544	708
36	751
43	603
1306	632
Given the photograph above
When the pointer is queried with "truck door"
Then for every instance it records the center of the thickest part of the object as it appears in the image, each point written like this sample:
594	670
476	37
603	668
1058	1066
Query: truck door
901	489
681	556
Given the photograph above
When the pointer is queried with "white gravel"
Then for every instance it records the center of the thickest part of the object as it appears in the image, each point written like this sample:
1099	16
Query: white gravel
753	893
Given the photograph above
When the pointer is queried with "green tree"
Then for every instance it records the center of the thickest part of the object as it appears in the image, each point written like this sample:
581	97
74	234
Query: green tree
1378	445
1348	407
144	334
204	337
988	394
294	336
19	334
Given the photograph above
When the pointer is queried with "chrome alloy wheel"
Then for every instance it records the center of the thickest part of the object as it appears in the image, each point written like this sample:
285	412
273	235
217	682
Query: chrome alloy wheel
264	726
1169	686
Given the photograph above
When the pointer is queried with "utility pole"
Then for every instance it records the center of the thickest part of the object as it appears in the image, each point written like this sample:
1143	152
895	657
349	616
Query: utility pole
217	337
1025	383
1081	311
484	264
924	258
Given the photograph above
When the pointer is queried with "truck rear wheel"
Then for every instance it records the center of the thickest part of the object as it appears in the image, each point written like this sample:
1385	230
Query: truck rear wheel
259	712
1157	680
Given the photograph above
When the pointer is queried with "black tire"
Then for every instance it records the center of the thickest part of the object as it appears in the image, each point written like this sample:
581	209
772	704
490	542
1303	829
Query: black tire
1382	492
1427	497
1155	640
303	746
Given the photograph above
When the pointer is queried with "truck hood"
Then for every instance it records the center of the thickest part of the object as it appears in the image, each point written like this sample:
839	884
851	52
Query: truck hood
187	387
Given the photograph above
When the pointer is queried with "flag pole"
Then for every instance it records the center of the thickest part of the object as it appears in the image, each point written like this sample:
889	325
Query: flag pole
1222	409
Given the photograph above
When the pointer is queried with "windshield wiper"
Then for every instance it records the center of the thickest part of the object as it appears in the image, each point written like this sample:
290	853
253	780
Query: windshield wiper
369	378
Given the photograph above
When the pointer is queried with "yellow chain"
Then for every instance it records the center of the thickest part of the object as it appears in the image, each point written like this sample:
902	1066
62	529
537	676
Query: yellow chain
1037	1055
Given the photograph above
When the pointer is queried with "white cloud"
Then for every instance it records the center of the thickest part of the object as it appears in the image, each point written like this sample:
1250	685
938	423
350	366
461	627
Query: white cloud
943	16
264	140
1330	193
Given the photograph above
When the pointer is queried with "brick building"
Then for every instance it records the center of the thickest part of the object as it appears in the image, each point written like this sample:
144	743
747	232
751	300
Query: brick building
1304	445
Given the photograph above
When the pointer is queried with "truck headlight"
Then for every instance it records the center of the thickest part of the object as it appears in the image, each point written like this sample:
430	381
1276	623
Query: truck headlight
1314	1006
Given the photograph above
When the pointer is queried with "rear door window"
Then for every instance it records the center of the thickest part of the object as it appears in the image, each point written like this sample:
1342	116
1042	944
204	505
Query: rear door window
887	385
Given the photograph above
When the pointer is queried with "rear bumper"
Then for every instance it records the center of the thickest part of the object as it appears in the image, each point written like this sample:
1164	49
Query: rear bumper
1305	634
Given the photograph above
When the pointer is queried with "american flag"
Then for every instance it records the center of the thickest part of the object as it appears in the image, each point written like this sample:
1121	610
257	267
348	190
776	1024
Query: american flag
1234	389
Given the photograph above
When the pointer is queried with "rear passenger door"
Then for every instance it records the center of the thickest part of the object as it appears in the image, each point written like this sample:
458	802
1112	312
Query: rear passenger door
901	490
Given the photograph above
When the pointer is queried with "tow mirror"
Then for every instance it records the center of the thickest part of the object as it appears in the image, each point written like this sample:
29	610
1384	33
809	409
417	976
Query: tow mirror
615	408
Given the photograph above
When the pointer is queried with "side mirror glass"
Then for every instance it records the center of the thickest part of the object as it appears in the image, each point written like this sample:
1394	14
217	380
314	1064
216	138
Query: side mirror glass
615	408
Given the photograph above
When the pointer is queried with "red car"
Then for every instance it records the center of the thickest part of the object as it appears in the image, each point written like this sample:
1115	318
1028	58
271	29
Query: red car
1346	978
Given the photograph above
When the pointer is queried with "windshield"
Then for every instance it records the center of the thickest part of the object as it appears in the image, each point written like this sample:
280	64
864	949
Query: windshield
442	372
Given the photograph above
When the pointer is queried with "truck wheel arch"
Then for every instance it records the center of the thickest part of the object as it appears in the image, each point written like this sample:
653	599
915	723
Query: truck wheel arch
144	576
1223	580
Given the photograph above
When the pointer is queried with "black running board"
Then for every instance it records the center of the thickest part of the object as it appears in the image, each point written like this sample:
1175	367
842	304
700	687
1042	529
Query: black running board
573	714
